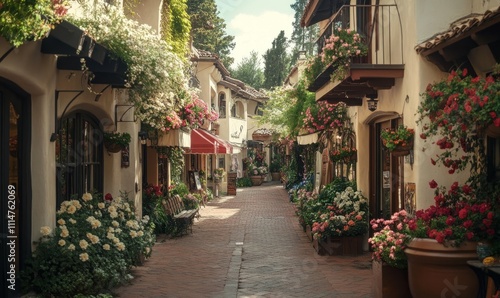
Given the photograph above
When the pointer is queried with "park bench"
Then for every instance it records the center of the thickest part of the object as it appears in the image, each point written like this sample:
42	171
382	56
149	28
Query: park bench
183	219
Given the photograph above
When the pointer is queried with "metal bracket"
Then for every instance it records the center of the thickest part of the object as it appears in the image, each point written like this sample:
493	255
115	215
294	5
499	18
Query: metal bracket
122	115
57	120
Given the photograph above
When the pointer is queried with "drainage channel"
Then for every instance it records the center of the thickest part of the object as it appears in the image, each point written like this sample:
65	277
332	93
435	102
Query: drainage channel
233	274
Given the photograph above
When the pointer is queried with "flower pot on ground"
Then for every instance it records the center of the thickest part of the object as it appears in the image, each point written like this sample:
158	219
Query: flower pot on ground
390	264
435	270
389	281
343	246
276	176
256	180
341	223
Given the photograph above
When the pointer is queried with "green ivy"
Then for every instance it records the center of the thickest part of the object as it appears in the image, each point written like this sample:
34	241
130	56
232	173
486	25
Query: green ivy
29	20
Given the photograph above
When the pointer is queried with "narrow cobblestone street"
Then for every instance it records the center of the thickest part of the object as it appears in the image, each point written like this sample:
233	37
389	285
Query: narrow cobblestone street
248	245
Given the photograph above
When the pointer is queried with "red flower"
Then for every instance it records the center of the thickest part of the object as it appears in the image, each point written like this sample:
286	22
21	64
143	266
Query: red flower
108	197
433	184
468	223
463	213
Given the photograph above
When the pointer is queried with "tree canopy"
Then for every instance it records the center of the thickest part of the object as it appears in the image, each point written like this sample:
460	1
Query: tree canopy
208	30
277	62
303	39
249	71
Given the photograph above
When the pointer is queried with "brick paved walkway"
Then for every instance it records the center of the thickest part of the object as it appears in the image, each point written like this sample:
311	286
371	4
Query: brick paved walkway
248	245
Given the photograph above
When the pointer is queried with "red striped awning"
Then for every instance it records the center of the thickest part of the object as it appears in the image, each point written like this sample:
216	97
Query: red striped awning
204	142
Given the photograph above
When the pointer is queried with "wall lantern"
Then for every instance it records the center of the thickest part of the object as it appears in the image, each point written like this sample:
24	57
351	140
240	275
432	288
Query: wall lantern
153	137
372	101
143	136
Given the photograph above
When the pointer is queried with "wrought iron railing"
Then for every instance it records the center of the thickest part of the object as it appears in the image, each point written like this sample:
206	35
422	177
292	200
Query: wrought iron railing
380	27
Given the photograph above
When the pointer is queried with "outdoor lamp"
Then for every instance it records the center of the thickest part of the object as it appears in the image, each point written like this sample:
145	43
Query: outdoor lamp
372	102
143	136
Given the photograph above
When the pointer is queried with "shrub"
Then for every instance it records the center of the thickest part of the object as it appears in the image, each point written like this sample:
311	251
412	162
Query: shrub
92	248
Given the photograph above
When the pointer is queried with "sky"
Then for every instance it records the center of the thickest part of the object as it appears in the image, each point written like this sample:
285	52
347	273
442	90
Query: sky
255	24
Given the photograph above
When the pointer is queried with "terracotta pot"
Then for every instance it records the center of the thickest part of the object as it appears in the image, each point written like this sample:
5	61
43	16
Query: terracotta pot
256	180
389	282
276	176
435	270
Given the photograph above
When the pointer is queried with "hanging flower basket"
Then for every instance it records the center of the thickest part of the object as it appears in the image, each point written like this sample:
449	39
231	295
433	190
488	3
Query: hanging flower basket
398	141
113	147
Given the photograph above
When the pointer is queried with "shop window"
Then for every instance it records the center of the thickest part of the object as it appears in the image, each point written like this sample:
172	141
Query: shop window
79	157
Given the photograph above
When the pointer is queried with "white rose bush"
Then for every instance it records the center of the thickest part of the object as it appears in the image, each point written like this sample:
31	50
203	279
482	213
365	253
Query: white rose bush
92	248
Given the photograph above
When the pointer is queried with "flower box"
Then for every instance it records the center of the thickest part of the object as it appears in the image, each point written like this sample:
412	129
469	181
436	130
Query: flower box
309	232
343	246
256	180
389	282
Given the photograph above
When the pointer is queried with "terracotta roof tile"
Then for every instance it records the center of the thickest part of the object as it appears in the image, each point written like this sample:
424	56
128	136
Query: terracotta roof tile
456	28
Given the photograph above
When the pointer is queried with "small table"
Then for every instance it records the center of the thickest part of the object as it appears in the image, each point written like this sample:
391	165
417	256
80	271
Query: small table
483	272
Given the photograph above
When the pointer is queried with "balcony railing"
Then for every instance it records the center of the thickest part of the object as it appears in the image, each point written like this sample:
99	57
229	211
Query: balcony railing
380	27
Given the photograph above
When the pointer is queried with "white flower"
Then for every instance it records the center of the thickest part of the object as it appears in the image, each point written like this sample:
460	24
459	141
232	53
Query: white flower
71	209
86	197
61	222
64	232
101	205
84	257
71	247
133	234
72	221
115	224
120	246
61	242
83	244
106	247
45	230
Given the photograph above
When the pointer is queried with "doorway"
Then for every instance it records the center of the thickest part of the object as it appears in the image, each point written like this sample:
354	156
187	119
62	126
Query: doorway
15	198
386	174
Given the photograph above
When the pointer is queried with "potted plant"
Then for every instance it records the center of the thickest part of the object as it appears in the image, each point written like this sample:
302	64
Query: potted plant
456	112
390	265
446	236
219	174
116	141
274	168
344	154
254	174
398	141
341	224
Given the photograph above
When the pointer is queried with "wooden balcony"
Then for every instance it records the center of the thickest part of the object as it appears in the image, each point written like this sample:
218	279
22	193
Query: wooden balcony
381	30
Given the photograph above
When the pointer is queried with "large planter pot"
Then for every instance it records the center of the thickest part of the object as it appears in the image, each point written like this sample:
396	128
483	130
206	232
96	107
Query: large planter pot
389	282
435	270
276	176
256	180
343	246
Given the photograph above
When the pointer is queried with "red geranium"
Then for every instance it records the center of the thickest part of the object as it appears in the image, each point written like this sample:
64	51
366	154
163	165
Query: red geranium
457	216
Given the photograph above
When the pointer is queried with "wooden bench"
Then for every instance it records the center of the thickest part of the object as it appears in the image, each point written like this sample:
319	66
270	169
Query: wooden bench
183	219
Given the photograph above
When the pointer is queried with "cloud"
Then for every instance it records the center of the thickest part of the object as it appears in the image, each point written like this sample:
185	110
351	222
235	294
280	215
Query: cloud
257	32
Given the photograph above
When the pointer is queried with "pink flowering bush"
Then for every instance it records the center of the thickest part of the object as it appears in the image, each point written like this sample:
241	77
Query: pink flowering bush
390	239
195	112
340	48
325	116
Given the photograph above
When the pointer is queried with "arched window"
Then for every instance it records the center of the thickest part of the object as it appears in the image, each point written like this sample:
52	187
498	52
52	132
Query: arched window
222	105
79	156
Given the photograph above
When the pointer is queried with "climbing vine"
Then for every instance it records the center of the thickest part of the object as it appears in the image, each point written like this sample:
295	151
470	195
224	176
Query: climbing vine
176	26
